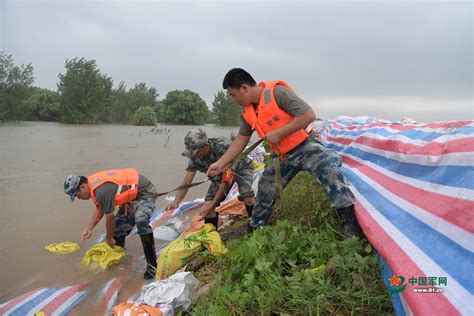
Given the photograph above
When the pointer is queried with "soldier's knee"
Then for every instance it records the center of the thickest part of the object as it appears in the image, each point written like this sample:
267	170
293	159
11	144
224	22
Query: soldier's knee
142	219
249	201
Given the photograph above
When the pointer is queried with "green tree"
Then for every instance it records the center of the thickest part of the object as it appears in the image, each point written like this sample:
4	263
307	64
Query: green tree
85	93
141	95
145	116
126	103
119	109
184	107
14	84
226	111
42	105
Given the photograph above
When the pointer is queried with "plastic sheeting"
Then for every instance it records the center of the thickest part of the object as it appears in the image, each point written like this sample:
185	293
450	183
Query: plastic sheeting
50	301
414	189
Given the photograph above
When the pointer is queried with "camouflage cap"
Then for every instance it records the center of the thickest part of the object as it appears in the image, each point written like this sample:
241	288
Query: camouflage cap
71	184
194	139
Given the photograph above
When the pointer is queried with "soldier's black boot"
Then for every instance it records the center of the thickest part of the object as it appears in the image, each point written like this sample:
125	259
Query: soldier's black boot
212	220
249	209
349	224
120	241
148	243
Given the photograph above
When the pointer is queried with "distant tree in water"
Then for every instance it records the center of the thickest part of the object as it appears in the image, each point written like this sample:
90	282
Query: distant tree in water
85	93
87	96
15	82
183	107
145	116
226	111
126	103
42	105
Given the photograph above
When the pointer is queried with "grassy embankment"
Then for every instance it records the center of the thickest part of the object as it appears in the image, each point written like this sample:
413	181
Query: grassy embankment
298	265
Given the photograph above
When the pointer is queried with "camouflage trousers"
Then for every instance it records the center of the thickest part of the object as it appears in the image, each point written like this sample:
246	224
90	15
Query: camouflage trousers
243	175
139	213
312	156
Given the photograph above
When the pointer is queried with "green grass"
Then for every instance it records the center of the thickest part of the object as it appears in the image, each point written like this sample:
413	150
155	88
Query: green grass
298	266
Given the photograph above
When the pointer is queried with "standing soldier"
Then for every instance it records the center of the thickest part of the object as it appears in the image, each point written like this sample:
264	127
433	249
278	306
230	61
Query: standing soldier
277	114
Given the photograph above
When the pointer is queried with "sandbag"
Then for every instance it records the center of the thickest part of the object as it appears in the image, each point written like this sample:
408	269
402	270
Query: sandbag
63	248
178	252
103	255
177	291
170	230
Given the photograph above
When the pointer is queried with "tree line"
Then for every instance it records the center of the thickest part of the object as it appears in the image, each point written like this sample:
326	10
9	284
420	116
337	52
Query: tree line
85	95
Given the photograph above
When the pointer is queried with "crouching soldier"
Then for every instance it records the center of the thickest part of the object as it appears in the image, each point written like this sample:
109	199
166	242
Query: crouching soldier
126	198
202	152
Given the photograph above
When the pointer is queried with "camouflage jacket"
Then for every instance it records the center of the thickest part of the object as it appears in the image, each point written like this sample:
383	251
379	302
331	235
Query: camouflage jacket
218	147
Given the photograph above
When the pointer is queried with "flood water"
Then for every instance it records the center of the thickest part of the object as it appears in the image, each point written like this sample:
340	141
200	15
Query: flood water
35	159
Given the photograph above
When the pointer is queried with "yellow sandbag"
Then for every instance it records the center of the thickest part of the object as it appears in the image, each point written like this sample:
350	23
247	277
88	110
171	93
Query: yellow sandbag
63	247
178	253
103	255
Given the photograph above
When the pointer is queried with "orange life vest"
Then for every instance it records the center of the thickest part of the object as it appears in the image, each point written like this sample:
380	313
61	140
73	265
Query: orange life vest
121	177
268	116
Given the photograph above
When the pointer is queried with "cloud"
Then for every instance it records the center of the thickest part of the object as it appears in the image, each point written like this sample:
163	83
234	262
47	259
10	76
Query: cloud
335	52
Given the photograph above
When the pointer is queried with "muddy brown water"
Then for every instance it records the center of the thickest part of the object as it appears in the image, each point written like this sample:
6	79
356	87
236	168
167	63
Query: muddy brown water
35	158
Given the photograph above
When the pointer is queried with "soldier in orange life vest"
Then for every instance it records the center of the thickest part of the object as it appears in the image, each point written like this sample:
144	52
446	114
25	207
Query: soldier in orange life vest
126	198
277	114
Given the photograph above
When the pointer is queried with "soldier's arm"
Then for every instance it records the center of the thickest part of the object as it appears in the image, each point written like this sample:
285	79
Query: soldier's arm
105	195
188	178
220	195
218	198
299	122
109	228
292	104
96	217
237	146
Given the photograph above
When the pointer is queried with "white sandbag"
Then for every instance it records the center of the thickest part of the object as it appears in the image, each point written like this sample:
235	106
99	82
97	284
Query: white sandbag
170	230
177	290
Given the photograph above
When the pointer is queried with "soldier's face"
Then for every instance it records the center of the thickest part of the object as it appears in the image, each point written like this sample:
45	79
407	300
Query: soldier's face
241	95
83	192
203	151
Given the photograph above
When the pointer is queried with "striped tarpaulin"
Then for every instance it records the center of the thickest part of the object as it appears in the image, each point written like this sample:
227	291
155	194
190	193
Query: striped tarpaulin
108	292
414	189
50	301
161	214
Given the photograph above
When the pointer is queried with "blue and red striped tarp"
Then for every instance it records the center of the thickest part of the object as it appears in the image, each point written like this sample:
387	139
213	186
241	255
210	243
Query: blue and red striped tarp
414	188
50	301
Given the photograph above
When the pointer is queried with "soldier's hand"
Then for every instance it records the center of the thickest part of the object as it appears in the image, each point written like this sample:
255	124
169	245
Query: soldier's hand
214	169
86	234
273	137
201	216
110	242
172	206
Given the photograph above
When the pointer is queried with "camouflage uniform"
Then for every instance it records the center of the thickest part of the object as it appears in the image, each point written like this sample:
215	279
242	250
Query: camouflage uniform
310	156
243	170
139	213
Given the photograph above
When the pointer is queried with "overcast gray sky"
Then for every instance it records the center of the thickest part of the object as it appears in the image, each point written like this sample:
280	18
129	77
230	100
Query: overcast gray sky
383	59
